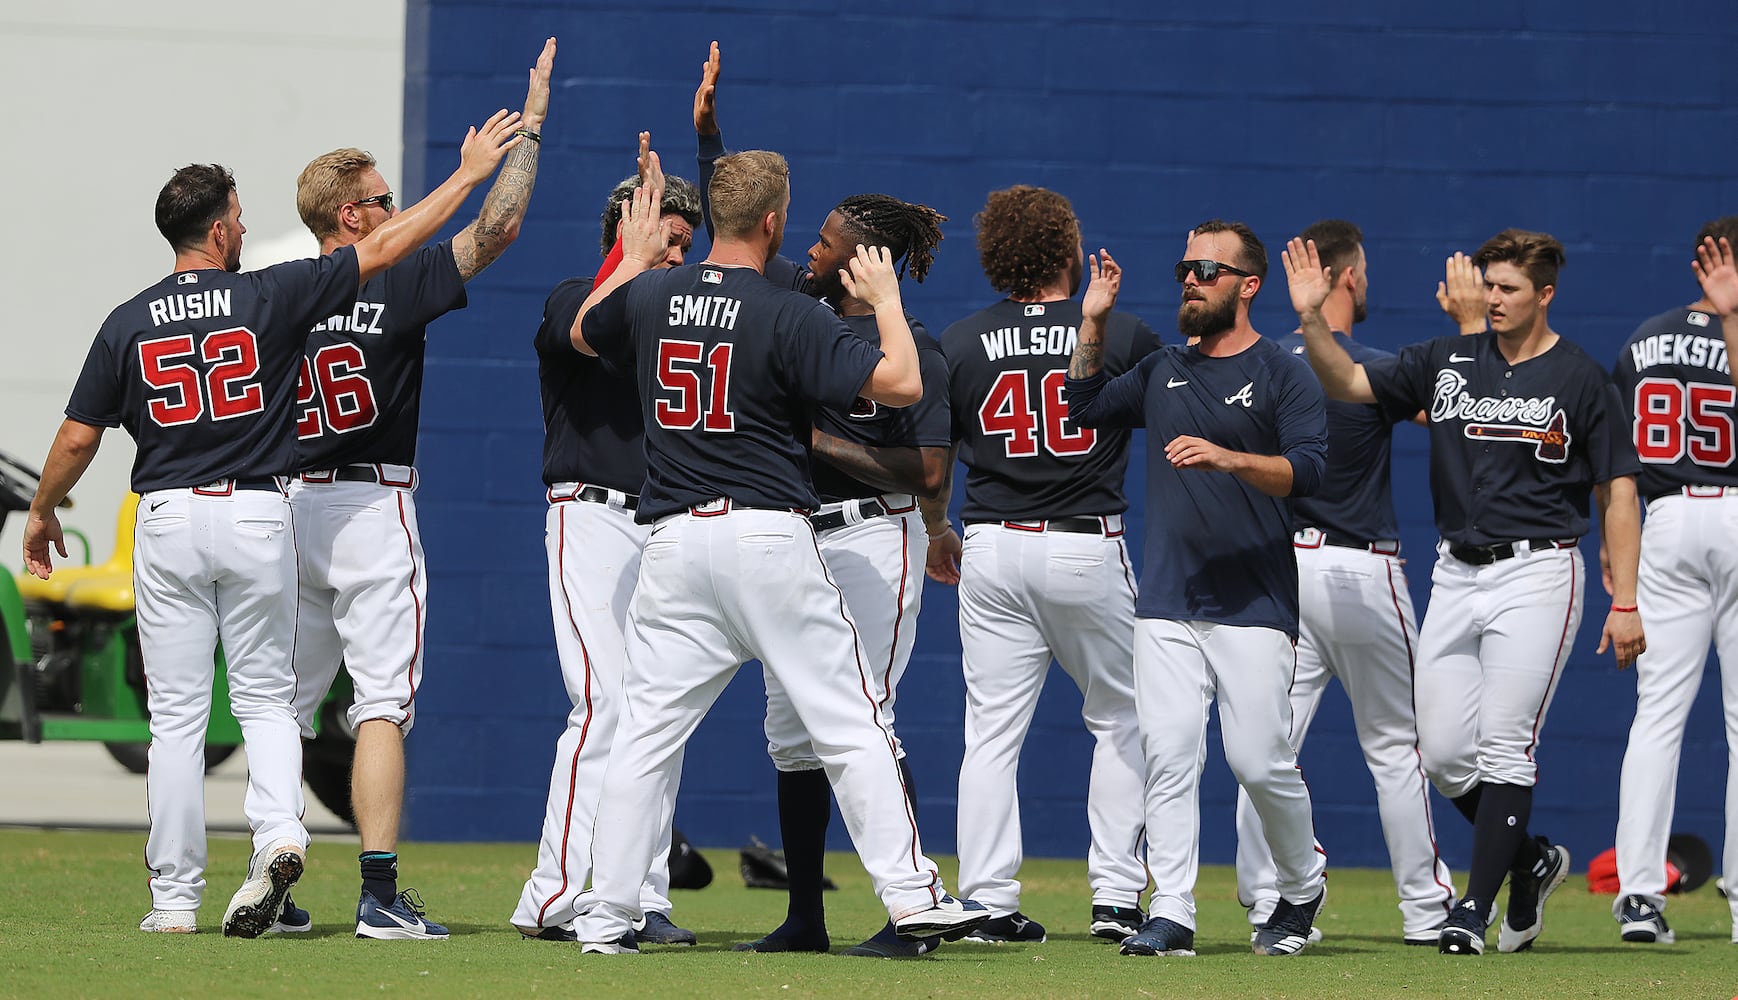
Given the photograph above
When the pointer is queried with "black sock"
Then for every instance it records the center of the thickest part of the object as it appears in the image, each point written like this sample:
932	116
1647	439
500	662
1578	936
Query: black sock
1468	804
804	808
380	874
1498	834
910	786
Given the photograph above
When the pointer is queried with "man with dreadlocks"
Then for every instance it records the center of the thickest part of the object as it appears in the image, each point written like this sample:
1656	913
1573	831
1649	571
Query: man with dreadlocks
593	467
1043	571
875	462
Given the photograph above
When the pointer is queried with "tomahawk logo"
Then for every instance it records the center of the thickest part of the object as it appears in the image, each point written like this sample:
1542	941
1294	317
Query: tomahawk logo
1533	420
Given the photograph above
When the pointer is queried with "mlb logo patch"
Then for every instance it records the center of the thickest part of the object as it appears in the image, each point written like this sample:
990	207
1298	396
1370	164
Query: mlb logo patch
1697	319
712	277
1298	349
1035	309
187	279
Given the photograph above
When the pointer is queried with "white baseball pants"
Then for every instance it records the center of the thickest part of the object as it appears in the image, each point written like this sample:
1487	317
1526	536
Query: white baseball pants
1356	624
878	564
1181	669
364	597
1490	655
719	586
1688	594
594	561
1025	596
209	567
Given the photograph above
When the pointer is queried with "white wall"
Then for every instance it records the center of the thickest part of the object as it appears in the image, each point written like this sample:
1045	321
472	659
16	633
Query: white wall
102	100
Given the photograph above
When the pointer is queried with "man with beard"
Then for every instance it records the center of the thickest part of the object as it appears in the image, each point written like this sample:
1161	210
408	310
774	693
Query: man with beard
1356	621
1043	571
200	369
1235	426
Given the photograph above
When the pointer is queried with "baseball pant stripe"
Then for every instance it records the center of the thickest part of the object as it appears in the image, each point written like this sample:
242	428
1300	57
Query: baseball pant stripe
898	612
411	668
1437	867
1558	661
584	729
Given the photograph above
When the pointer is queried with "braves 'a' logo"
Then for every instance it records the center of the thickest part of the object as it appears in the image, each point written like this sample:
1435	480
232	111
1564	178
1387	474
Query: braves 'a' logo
1535	420
1245	395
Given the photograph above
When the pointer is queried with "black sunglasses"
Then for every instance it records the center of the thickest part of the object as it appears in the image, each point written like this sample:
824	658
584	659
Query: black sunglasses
385	202
1206	270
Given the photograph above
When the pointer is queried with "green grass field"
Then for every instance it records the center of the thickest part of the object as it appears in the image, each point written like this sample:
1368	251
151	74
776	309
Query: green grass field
72	901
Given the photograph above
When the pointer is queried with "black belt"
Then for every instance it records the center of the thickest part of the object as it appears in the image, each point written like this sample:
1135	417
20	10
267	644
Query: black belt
1484	555
866	508
1072	525
225	487
597	494
360	473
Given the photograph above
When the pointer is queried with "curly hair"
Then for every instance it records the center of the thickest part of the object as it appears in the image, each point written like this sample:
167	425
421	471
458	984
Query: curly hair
909	231
1539	255
1026	237
681	197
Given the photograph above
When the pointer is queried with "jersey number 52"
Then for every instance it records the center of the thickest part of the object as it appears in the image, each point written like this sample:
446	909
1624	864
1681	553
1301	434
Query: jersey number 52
218	375
1010	410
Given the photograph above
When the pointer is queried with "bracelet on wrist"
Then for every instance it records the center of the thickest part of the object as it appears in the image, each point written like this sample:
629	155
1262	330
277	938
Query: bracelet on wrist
945	528
536	137
1623	611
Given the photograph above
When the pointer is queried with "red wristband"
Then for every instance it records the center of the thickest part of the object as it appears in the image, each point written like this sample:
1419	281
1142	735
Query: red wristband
1622	610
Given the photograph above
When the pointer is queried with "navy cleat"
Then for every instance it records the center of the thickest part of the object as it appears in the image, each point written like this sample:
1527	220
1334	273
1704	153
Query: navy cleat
1015	928
1116	923
1463	933
401	920
1641	922
657	928
1528	891
1291	927
949	918
292	919
559	932
1160	936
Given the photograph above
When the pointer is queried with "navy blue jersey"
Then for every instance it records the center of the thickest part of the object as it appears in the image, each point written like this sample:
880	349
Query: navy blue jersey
1675	381
1356	500
360	393
1217	549
728	368
201	367
924	424
1514	449
780	270
592	428
1025	459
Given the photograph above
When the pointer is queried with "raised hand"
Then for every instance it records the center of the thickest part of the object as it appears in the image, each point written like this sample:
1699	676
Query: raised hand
706	96
651	170
1461	293
483	148
870	278
1718	274
645	238
1305	276
537	95
1103	287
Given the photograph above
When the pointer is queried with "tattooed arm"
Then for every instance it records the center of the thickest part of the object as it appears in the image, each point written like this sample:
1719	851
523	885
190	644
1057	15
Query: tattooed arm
920	471
478	244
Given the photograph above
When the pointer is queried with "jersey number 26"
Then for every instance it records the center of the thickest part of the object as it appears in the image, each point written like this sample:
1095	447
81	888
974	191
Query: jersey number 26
1010	411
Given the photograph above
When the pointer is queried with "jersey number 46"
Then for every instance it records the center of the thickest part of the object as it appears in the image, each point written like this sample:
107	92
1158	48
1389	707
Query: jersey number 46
1009	410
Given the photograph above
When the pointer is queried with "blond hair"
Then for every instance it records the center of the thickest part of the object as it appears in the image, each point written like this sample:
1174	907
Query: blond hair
328	183
745	187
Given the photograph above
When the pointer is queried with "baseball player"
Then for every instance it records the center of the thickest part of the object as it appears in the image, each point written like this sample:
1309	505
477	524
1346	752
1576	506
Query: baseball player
364	586
1355	622
1043	571
1235	425
1675	379
200	369
874	462
1523	425
594	465
732	571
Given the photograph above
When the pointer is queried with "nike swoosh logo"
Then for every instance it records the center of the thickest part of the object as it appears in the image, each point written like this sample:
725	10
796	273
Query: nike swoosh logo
1458	358
415	925
157	504
1173	383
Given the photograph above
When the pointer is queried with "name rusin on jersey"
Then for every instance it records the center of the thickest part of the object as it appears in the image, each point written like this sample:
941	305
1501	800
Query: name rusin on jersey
1008	341
1681	349
1534	420
189	305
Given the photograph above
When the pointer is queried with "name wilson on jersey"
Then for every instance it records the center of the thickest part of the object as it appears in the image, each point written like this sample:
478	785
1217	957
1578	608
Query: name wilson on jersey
1681	349
1008	342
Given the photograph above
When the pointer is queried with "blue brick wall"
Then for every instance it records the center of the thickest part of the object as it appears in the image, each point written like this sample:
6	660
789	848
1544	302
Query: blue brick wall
1593	119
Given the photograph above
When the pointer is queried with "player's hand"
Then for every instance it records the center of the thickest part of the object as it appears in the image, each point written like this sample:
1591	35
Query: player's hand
651	169
943	562
870	278
1461	293
1623	633
1104	286
483	148
706	96
1305	276
1719	276
39	533
1187	452
537	95
645	235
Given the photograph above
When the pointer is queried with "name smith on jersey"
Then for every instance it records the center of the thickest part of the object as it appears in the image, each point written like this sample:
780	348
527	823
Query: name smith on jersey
1008	342
704	310
1681	349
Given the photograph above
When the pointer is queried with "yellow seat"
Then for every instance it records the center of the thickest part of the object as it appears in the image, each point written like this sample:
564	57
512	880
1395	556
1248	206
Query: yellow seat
107	580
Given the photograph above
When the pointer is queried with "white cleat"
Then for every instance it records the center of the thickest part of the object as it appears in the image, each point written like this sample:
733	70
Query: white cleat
170	922
950	918
256	905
